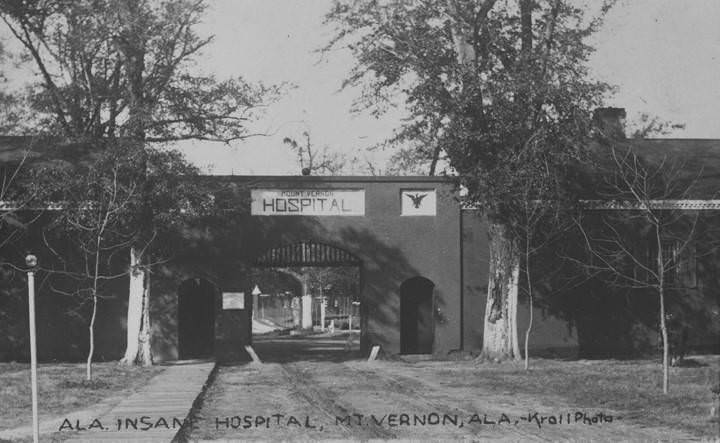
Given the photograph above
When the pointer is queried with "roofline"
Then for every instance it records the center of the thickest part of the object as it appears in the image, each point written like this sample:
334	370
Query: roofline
697	204
670	204
653	139
331	178
681	204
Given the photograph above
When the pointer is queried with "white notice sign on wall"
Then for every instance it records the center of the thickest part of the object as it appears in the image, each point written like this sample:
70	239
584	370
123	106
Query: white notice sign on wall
233	300
309	202
418	202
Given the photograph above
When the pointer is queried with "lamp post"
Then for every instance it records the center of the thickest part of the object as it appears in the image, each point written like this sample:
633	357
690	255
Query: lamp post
31	262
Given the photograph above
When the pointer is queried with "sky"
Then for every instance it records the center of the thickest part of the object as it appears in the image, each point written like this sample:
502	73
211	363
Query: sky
662	55
278	41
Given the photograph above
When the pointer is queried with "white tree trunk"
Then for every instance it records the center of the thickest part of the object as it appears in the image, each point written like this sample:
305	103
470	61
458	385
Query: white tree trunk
661	294
91	332
666	346
500	337
144	356
138	320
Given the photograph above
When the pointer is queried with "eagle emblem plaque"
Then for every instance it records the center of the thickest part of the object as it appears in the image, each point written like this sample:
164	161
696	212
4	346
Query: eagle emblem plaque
418	202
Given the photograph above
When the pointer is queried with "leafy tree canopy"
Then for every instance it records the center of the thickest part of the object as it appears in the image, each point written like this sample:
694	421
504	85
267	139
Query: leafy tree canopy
115	73
499	87
106	64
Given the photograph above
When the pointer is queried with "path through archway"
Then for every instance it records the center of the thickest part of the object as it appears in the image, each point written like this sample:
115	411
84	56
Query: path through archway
319	311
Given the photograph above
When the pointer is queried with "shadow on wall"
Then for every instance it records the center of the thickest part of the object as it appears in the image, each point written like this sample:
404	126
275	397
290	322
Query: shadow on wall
196	319
227	246
621	322
383	272
475	262
416	316
62	321
580	317
222	246
164	307
62	312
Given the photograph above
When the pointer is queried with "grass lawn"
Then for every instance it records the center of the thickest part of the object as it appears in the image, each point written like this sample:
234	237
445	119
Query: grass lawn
633	388
62	388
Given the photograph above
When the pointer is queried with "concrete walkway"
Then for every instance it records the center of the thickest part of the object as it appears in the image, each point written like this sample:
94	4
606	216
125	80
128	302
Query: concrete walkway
154	414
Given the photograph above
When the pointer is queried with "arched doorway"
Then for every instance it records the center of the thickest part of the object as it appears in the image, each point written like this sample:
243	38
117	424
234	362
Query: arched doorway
416	321
196	319
320	309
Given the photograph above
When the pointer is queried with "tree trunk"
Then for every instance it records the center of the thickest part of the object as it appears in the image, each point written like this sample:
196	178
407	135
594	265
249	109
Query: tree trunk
91	331
138	320
530	302
661	295
663	330
500	337
133	47
144	356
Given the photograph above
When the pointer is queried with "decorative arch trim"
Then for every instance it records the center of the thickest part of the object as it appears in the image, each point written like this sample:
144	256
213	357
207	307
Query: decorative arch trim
306	254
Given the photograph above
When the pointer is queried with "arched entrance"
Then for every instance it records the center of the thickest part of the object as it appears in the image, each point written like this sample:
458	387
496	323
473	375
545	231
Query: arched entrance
317	317
196	319
416	321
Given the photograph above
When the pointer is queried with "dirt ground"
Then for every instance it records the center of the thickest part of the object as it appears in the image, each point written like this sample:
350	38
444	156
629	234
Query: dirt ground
315	389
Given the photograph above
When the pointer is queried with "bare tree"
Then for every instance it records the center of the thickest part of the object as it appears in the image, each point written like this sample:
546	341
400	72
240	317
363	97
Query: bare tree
94	233
636	233
538	225
315	160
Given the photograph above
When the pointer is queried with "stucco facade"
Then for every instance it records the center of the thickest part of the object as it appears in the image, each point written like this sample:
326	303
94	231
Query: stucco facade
391	248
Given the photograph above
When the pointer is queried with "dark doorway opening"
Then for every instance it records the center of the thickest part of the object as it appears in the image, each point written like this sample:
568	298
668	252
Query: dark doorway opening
416	321
196	319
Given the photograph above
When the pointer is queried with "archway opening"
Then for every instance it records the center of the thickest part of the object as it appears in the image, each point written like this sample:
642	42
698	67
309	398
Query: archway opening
196	319
416	319
306	303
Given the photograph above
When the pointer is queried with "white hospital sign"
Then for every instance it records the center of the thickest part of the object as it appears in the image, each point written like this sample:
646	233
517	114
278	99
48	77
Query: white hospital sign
309	202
